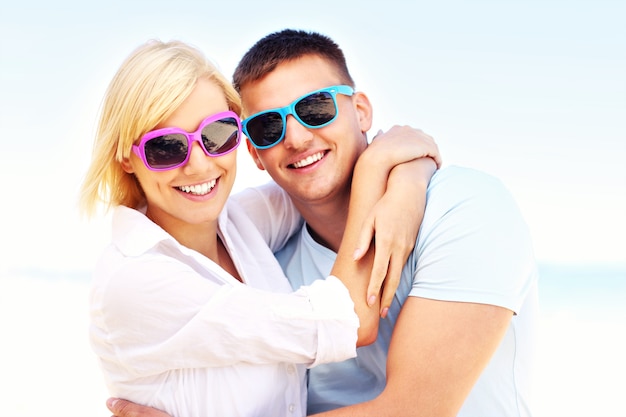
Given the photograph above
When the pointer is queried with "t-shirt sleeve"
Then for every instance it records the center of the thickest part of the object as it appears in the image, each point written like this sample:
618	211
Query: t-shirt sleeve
474	245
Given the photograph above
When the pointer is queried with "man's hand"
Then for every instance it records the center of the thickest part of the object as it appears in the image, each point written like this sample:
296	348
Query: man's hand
123	408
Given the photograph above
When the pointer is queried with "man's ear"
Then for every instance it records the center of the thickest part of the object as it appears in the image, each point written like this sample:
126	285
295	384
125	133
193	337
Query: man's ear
126	166
255	156
364	110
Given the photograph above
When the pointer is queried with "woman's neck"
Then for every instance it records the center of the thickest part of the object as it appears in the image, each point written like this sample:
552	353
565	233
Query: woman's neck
204	239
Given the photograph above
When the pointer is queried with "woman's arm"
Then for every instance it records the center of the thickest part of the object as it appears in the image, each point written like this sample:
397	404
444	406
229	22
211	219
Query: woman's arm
354	273
154	310
373	177
396	220
388	200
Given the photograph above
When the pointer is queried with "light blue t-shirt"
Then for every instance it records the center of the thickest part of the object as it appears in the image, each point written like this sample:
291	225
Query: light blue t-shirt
473	246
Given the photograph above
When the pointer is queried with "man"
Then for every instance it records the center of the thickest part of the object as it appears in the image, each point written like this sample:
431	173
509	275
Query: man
457	338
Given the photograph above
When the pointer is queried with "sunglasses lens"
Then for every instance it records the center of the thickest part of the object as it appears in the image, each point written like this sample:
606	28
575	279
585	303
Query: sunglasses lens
316	109
221	136
166	151
265	129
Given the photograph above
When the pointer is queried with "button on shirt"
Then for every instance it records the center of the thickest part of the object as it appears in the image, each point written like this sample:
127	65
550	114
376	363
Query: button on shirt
174	331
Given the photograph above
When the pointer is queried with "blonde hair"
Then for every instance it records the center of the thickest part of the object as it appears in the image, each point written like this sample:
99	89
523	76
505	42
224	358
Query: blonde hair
149	86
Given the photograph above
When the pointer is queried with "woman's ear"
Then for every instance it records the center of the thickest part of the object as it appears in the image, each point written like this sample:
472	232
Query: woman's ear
255	156
127	166
364	110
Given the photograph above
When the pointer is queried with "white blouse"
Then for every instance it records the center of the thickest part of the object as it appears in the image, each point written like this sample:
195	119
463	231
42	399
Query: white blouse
174	331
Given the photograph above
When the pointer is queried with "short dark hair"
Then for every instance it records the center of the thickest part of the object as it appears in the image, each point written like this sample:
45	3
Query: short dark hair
286	45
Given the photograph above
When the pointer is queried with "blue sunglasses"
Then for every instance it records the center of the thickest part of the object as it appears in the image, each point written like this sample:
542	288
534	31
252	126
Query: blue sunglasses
313	110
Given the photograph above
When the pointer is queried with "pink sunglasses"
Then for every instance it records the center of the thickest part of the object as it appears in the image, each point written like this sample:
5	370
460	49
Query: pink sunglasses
169	148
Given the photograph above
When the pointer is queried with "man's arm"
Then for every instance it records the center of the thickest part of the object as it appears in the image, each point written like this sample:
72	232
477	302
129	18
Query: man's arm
476	253
455	342
437	352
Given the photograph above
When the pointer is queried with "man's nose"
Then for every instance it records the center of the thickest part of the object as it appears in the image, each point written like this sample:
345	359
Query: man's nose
296	134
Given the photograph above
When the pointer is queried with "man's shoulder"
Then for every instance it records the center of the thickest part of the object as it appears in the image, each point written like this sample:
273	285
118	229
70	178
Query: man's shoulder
467	194
459	175
458	182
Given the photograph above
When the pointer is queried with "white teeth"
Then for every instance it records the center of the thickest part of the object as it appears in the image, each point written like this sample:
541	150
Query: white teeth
200	189
309	160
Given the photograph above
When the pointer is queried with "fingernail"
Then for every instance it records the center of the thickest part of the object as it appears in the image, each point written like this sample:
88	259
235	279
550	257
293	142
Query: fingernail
356	254
371	300
111	403
384	312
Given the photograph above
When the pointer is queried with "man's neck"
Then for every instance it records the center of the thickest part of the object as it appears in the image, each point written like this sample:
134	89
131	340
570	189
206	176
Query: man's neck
326	222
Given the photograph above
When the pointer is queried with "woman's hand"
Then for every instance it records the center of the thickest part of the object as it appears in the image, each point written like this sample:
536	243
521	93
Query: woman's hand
398	165
401	144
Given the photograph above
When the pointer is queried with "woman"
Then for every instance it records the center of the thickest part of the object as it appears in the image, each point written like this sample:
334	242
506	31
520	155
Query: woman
190	312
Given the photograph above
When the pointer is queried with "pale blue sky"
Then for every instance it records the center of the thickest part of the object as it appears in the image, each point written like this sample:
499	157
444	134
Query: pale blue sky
533	92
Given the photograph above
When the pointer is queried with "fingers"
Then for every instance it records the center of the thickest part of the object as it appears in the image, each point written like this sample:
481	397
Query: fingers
380	132
376	277
118	407
379	271
391	284
411	141
433	150
124	408
437	156
365	238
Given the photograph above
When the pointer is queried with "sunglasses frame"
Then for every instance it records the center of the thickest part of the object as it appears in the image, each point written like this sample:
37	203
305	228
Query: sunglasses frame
140	149
289	109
